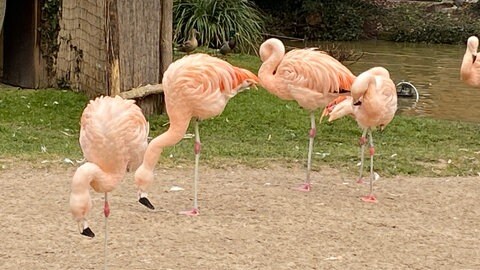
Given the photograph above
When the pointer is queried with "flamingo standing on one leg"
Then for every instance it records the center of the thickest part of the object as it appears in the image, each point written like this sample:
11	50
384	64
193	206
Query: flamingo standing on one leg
373	103
113	138
196	86
312	78
470	69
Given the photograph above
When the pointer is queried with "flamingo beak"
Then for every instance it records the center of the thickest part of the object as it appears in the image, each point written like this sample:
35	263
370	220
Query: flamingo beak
253	84
357	103
325	112
328	109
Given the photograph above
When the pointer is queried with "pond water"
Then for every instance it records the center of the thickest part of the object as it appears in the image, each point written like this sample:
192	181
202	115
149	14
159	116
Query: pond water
433	69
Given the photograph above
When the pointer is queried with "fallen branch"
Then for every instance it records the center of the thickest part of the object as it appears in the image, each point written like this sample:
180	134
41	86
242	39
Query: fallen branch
142	91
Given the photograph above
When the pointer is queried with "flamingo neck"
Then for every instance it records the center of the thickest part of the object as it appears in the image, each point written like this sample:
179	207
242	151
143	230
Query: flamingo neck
467	64
266	73
172	136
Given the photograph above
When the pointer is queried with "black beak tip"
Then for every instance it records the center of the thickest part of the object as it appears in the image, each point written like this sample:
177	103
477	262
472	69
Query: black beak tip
88	232
146	202
358	103
474	58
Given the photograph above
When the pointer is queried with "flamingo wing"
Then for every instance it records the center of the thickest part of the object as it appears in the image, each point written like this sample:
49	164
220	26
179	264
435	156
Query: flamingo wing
113	133
316	71
388	96
204	84
307	98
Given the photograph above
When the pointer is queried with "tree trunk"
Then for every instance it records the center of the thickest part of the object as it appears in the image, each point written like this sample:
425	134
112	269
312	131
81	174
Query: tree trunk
113	50
154	102
166	31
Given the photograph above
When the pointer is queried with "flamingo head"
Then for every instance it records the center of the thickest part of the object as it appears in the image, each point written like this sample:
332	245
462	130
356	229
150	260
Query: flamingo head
269	47
472	46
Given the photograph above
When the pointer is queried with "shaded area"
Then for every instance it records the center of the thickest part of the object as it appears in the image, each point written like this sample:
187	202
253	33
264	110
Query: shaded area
19	44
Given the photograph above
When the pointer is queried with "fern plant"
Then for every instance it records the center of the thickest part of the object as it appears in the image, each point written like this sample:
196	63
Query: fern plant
215	20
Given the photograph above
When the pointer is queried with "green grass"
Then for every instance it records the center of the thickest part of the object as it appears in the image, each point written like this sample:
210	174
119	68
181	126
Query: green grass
255	129
30	120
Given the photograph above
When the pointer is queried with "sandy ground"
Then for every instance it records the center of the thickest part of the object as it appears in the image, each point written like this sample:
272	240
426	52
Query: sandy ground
250	219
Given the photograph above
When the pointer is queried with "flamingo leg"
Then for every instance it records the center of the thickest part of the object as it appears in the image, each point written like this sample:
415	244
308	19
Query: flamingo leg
370	197
197	149
305	187
106	211
363	142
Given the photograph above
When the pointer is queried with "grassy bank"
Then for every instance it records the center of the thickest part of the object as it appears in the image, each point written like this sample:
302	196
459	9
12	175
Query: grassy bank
256	128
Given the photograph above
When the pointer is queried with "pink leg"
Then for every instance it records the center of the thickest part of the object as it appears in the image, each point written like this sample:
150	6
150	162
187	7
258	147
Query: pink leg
370	197
362	142
106	207
307	186
197	148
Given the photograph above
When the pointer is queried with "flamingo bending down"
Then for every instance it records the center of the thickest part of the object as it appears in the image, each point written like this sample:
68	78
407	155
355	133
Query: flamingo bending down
373	103
312	78
196	86
113	138
470	69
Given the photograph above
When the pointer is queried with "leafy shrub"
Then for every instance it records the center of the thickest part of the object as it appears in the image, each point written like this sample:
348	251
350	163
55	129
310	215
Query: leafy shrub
410	24
214	20
340	20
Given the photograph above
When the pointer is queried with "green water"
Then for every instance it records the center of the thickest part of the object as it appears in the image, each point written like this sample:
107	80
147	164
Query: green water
433	69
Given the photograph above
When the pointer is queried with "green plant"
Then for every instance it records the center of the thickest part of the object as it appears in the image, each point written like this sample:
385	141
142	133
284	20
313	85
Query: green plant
340	20
408	23
216	19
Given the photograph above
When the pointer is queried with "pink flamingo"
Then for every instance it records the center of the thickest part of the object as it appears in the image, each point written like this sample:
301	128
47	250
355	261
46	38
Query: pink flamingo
311	77
195	86
373	103
113	138
470	69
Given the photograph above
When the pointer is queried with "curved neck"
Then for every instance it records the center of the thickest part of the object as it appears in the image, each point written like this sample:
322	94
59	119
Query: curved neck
266	72
467	64
172	136
372	87
363	84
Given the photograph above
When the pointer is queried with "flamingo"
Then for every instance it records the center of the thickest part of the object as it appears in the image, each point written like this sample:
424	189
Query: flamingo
113	138
373	103
311	77
470	69
195	86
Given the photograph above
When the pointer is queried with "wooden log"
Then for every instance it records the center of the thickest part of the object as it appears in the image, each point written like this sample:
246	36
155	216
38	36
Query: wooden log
142	91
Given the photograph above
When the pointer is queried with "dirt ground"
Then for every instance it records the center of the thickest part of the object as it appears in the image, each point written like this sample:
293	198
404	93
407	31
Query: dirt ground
250	219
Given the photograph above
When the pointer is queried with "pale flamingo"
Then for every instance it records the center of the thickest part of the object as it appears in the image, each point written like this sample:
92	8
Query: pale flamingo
373	103
311	77
113	138
470	69
195	86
